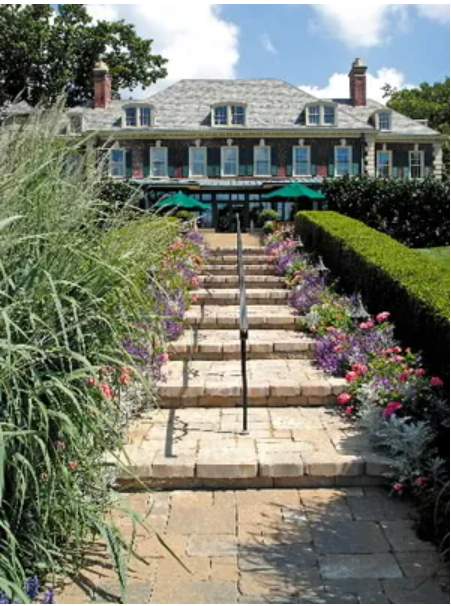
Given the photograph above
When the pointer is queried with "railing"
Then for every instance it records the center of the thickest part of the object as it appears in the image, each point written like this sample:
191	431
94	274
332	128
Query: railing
244	325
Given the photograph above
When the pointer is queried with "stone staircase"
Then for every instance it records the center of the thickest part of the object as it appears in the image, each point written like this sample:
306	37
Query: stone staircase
194	439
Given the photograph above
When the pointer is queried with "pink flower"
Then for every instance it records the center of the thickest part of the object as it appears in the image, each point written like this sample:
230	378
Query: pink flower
349	411
360	369
403	376
421	481
351	376
383	316
72	465
341	336
391	409
163	358
91	381
61	445
398	487
338	348
313	329
398	359
44	476
124	379
367	325
331	329
106	390
436	382
420	372
194	298
343	399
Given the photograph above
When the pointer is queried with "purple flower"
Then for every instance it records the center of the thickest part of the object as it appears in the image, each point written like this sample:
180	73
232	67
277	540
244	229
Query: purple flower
308	293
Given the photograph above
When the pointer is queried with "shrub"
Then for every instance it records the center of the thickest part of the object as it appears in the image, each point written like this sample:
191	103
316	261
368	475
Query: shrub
185	215
269	227
268	215
415	213
389	275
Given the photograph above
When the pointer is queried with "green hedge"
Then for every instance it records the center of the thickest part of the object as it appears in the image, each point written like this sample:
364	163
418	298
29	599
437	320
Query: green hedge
390	276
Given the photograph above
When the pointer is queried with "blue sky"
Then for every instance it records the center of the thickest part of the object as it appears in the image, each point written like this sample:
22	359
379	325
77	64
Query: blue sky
309	45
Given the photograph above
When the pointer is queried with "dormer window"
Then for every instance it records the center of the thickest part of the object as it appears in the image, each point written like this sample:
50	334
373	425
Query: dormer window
136	115
321	115
383	121
233	114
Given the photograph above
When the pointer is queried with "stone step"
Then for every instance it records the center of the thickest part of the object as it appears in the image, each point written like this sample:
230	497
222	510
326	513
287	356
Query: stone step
276	382
232	281
249	270
228	316
296	447
232	260
254	296
231	250
225	345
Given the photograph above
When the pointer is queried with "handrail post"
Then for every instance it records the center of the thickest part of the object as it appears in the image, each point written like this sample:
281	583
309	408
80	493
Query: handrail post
244	326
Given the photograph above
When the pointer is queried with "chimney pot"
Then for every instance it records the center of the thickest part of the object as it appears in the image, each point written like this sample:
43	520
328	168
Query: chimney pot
102	85
357	82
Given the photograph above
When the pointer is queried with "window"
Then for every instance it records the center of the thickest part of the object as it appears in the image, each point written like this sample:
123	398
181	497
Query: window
229	115
384	164
314	116
416	164
229	161
158	162
343	159
198	161
329	114
384	121
145	116
321	115
262	161
117	163
130	116
221	115
238	115
301	161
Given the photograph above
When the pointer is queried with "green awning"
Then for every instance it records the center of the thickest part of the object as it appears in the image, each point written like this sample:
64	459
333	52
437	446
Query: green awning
295	190
180	200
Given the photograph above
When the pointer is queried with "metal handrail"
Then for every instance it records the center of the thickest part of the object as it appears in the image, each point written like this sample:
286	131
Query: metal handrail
244	324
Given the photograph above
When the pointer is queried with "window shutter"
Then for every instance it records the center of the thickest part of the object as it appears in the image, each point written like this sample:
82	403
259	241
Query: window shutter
250	162
214	161
171	161
102	160
274	161
128	163
289	163
185	162
243	160
146	162
313	159
331	165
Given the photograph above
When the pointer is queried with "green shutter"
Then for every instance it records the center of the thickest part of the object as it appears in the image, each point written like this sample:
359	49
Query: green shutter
171	161
214	161
244	158
313	159
185	162
128	163
356	151
250	162
289	162
331	165
146	162
274	161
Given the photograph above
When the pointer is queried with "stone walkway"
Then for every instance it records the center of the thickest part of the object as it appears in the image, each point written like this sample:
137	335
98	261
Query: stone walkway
353	546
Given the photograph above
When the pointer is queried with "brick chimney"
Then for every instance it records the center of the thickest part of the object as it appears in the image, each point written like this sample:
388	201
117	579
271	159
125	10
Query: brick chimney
102	85
357	83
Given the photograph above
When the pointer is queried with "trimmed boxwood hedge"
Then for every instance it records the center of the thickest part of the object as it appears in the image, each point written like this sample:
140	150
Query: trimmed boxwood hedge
390	276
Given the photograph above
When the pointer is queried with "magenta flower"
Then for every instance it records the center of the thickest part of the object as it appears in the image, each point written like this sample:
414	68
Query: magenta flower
391	409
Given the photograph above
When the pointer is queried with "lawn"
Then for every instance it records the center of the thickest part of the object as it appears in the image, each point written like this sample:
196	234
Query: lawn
439	254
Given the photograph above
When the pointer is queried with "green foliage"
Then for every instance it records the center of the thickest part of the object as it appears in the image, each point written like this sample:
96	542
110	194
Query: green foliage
389	275
414	212
269	227
268	215
185	215
70	295
428	101
438	254
44	53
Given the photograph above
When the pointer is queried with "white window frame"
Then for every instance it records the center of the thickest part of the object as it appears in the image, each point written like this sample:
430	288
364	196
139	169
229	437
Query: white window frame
349	148
151	162
138	107
149	108
321	113
421	152
123	163
191	172
379	165
237	152
309	152
135	109
229	115
259	147
384	130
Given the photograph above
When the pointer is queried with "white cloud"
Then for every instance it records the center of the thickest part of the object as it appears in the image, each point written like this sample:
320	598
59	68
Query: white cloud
194	37
338	85
268	44
359	24
436	12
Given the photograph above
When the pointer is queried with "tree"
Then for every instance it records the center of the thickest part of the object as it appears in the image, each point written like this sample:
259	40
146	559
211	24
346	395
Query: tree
428	101
44	53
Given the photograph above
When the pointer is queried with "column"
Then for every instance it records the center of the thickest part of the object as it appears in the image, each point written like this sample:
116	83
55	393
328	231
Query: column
437	161
370	158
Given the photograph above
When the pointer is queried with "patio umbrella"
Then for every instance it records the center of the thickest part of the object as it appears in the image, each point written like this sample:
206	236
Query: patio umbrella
182	201
295	190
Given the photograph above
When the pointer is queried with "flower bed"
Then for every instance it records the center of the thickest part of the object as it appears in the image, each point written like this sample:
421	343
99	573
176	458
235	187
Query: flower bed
389	391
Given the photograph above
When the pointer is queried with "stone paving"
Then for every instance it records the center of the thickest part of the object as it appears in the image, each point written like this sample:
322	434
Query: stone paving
328	546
